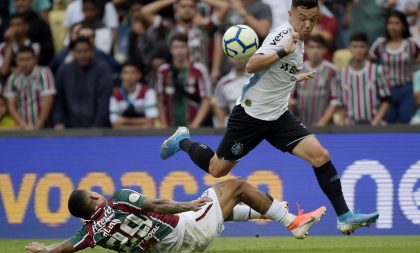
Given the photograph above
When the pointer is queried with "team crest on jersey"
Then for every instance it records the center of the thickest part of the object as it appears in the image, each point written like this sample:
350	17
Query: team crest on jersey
237	148
248	102
134	197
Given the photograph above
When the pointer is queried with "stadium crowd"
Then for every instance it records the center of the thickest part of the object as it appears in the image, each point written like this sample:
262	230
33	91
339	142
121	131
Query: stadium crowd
158	64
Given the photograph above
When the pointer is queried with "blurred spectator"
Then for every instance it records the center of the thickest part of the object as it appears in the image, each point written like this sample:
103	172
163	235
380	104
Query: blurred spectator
327	27
144	42
364	92
368	16
183	88
134	105
397	53
253	13
41	7
416	118
103	35
65	56
6	121
316	99
75	14
228	90
280	11
185	16
30	91
84	87
15	37
38	31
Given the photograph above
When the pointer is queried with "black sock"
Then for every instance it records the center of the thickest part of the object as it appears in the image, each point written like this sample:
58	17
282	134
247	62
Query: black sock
330	184
200	154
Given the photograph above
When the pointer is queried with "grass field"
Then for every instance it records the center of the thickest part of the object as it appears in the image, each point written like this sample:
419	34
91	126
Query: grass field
338	244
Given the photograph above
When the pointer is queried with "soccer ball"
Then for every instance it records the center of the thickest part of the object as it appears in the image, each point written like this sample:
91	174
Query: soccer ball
240	42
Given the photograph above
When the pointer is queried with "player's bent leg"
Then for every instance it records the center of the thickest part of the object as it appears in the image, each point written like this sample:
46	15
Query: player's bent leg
220	167
233	191
311	150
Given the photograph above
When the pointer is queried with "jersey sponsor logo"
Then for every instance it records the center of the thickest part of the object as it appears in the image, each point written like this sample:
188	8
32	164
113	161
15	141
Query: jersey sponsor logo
280	36
108	215
289	68
237	148
134	197
108	229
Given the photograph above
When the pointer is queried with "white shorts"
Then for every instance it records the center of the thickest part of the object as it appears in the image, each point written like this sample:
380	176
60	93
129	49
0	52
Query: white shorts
195	230
202	227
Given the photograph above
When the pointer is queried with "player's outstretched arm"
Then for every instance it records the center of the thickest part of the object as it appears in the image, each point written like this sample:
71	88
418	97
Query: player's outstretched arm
260	62
63	247
163	206
305	76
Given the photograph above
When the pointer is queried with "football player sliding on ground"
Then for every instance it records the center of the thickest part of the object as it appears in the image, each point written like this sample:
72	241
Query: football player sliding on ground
261	114
129	222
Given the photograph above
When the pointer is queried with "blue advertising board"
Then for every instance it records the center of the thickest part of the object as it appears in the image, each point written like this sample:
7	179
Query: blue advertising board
378	172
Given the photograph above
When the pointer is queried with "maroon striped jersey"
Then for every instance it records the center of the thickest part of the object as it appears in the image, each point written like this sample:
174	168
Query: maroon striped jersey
397	63
313	96
120	224
362	91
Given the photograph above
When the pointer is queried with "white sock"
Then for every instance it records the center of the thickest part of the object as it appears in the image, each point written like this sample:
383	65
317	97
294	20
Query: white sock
278	212
244	213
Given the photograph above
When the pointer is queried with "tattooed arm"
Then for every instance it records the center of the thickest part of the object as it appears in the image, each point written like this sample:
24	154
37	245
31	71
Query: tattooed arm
163	206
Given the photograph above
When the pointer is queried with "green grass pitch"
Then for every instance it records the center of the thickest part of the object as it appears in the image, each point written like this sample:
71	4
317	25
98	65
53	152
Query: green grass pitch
313	244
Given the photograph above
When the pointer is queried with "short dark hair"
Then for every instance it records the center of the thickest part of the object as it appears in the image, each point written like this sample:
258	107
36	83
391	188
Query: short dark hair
79	40
78	204
317	39
305	4
359	37
26	49
178	37
130	64
403	18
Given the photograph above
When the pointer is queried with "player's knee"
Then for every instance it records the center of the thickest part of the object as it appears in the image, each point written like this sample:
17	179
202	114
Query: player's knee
219	168
320	157
217	171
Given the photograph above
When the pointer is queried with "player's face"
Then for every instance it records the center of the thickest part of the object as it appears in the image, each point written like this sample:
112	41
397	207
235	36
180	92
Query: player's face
303	20
315	51
130	75
358	50
395	27
186	10
26	62
179	51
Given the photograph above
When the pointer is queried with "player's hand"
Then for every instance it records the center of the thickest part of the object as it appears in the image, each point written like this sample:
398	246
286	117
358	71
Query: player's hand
34	247
291	43
305	76
197	204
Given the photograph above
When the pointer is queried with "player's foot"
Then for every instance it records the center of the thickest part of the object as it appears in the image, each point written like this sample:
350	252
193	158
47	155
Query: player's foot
350	221
303	222
171	145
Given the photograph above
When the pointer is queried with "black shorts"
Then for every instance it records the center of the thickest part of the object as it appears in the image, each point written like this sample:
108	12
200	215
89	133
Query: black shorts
244	133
